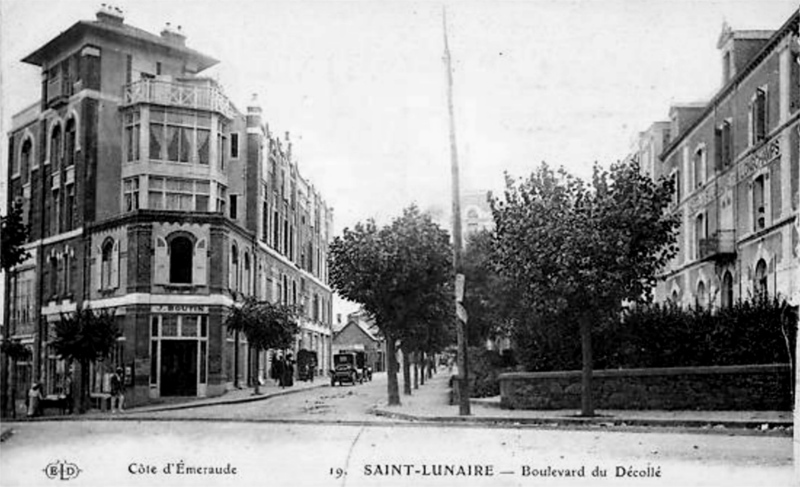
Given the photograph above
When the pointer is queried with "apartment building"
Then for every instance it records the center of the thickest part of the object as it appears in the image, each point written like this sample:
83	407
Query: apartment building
149	193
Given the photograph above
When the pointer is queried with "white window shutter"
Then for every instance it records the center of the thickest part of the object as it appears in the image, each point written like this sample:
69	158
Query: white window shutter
115	265
98	268
199	263
161	262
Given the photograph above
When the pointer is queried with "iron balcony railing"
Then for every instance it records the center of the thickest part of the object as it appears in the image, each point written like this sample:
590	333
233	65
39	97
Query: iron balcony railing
170	93
722	244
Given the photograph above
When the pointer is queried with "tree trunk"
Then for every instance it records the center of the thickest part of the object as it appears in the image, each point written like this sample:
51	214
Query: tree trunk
256	382
84	401
406	373
587	406
416	369
421	366
236	359
391	372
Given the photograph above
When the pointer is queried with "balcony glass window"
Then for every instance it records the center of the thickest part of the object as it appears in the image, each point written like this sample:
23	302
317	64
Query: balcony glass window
130	194
132	136
178	194
179	136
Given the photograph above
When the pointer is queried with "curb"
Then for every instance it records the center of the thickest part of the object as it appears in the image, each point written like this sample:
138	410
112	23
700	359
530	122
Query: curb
599	421
251	398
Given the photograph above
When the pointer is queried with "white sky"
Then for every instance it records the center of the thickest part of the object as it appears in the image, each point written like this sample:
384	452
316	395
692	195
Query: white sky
360	84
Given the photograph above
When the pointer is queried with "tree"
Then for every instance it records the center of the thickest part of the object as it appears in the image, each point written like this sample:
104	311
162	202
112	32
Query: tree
13	235
491	301
265	325
85	337
580	251
392	273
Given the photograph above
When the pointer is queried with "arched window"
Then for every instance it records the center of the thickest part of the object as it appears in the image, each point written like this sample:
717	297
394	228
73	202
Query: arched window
181	250
25	154
702	297
234	274
107	264
760	284
56	150
727	290
674	297
247	287
69	143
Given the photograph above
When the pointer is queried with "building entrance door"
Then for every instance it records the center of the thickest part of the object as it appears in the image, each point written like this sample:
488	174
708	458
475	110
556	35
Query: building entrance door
178	367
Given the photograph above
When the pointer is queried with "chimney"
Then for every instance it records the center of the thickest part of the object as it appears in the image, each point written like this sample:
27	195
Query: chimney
174	35
110	14
254	112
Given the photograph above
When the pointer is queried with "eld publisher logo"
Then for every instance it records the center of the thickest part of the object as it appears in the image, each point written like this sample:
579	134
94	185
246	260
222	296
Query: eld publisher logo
62	470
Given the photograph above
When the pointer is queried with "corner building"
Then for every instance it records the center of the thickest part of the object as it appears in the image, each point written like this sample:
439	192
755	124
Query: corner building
148	192
734	161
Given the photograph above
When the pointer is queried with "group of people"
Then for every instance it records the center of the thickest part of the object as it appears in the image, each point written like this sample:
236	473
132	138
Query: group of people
282	370
36	396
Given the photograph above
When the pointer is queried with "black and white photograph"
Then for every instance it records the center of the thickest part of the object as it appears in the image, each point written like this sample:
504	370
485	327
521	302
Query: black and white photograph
359	243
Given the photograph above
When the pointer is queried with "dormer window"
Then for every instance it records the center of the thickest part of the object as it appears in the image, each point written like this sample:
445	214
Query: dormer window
726	67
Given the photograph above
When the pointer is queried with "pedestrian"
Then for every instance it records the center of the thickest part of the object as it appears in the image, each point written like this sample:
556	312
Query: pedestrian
288	372
68	398
117	391
278	370
34	400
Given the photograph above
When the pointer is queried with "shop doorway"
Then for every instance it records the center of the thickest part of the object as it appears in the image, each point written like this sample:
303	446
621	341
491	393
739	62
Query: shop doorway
178	367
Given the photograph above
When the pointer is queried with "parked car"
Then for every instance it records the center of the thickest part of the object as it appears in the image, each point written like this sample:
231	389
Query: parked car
345	369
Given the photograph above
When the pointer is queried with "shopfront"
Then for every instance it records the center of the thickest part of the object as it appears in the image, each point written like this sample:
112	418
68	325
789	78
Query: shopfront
178	350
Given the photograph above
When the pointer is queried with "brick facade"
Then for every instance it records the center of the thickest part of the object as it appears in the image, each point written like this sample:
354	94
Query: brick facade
148	192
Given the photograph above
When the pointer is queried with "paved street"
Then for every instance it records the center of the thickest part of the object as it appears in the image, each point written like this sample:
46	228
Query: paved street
276	442
339	403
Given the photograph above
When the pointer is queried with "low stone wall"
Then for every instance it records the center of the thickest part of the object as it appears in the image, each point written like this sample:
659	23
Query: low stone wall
746	387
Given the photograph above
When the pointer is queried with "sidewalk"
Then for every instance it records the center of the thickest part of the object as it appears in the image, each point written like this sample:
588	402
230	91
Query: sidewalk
232	396
431	403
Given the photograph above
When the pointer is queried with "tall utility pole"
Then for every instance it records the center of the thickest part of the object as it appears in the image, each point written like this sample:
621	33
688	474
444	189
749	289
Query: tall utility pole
461	320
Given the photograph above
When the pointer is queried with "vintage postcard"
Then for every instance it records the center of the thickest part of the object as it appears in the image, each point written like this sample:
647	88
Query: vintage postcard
429	243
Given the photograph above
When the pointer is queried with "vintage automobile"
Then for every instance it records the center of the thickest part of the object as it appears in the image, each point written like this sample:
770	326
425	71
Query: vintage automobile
345	369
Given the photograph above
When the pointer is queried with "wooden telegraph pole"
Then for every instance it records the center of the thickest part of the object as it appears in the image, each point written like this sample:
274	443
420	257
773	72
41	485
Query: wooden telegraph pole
461	321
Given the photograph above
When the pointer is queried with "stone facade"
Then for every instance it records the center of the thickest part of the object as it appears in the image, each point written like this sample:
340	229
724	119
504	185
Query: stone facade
751	387
734	161
149	193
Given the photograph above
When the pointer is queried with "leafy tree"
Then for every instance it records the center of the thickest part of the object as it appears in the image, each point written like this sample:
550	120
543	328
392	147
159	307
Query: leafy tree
393	273
492	303
265	325
579	251
85	337
13	235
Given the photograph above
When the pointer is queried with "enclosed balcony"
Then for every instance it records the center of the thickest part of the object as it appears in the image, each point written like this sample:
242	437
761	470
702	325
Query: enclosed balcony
722	245
202	95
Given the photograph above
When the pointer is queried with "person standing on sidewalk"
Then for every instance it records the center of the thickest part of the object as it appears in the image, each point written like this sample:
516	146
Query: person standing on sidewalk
34	400
117	391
